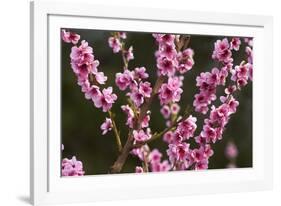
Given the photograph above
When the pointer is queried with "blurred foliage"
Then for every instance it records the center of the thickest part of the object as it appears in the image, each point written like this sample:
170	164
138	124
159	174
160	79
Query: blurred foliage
80	120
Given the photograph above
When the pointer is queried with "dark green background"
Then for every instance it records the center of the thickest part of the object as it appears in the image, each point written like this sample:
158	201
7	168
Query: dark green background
80	120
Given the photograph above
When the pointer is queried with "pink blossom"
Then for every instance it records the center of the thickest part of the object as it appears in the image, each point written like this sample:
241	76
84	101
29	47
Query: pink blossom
223	74
72	167
187	127
233	104
106	99
201	102
82	60
160	166
101	79
165	111
175	108
139	169
241	74
168	137
129	55
115	44
69	37
219	116
141	152
155	156
141	136
208	152
82	53
84	83
185	60
177	137
198	154
202	165
140	73
122	35
145	121
106	126
231	150
137	97
171	91
249	52
213	77
178	152
199	139
222	51
145	89
123	80
164	38
209	133
168	50
230	89
235	43
166	66
130	115
93	93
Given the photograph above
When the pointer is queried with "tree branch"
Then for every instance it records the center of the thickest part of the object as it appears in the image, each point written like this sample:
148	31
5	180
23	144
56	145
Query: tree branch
118	164
121	159
125	61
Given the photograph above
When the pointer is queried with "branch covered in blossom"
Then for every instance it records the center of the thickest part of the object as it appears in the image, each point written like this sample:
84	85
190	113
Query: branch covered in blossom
174	60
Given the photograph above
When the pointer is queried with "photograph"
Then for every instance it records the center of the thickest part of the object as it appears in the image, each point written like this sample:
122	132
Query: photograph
141	102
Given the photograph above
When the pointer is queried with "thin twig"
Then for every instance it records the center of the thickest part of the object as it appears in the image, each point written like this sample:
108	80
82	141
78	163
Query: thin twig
123	52
116	132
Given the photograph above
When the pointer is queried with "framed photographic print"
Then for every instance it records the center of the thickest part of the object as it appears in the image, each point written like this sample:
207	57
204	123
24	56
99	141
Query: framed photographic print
132	106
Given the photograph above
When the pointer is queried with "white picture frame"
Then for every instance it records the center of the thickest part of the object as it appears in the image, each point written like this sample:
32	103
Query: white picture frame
47	186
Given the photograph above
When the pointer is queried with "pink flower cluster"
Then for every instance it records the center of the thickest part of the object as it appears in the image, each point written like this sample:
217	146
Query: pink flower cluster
174	64
135	81
185	130
72	167
241	74
169	60
115	42
183	157
85	67
153	158
222	49
156	165
171	109
170	92
207	83
70	37
214	126
179	152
